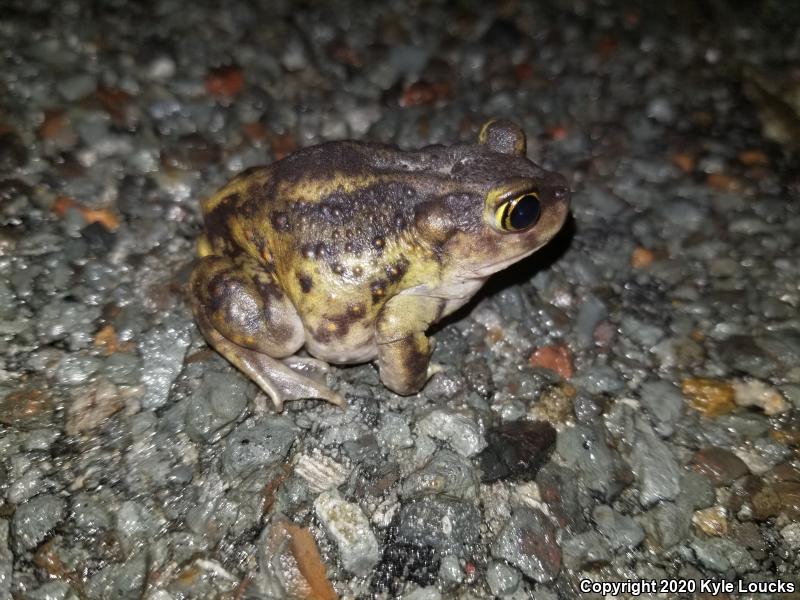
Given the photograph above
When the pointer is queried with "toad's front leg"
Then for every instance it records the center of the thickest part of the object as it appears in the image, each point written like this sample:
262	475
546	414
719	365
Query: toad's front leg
246	317
404	351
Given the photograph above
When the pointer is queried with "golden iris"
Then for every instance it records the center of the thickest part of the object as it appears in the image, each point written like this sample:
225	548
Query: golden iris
518	213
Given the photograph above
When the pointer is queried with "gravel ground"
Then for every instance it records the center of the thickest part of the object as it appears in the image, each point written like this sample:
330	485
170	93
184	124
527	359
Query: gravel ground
622	406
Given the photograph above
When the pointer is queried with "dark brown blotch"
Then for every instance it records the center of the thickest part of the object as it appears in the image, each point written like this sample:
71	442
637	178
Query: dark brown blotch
378	242
378	289
337	326
231	199
305	281
415	363
267	286
314	251
337	268
280	221
396	270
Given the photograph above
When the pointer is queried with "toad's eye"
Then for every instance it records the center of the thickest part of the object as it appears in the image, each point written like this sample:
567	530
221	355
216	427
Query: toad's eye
518	213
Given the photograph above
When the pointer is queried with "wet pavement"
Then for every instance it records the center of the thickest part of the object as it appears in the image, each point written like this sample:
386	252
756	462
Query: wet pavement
624	405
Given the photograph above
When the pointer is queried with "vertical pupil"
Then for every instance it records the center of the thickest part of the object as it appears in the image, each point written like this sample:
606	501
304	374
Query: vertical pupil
525	212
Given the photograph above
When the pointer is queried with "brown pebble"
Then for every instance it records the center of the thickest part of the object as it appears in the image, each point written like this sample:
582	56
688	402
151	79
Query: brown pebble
766	503
422	93
712	520
225	82
641	257
25	408
554	358
753	157
685	162
711	397
719	465
555	404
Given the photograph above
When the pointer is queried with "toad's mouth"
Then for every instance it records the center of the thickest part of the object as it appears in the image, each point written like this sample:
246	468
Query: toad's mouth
486	270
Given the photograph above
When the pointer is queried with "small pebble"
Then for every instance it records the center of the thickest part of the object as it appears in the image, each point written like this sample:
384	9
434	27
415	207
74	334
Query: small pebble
34	519
502	579
528	542
349	528
709	396
621	530
757	393
458	430
712	520
719	465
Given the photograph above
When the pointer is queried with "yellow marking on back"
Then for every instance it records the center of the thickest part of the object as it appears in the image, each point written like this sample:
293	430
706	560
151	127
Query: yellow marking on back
238	185
204	246
313	190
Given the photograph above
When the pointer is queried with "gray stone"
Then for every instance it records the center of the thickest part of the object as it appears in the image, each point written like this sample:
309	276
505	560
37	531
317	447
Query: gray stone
458	430
40	440
722	554
52	590
585	408
6	560
218	401
61	319
445	473
660	109
76	87
163	349
257	443
621	530
450	571
644	334
448	525
667	524
528	541
584	549
427	593
791	392
408	59
34	519
211	513
790	533
135	524
744	353
77	368
686	215
696	490
349	528
120	581
502	579
586	449
26	486
599	379
90	514
394	431
123	368
592	311
664	404
783	344
654	466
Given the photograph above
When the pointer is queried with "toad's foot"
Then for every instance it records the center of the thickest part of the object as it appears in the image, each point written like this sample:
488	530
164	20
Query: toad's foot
312	368
255	331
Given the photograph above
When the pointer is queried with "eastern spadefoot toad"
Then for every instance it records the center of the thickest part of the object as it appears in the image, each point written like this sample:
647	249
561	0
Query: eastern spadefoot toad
353	250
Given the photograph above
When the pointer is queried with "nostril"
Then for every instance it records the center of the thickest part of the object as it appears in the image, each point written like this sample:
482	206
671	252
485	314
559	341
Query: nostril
560	192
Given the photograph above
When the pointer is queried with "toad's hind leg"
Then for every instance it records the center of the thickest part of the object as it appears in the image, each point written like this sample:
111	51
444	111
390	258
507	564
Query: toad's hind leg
246	317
